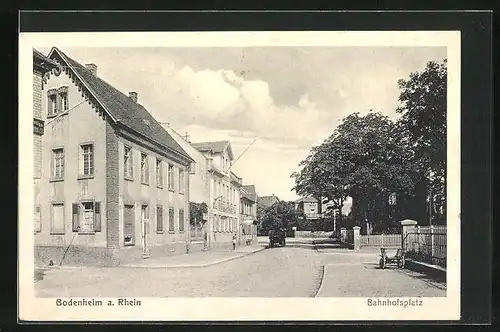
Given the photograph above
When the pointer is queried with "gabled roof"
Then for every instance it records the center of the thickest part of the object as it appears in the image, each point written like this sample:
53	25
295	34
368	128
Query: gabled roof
215	147
248	192
307	200
267	201
42	62
121	108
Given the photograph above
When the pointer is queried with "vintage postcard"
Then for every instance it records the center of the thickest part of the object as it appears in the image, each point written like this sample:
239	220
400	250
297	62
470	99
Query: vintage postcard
239	176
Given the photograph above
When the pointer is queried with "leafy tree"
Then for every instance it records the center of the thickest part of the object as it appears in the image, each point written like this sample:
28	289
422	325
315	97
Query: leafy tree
196	211
369	157
365	158
281	215
423	120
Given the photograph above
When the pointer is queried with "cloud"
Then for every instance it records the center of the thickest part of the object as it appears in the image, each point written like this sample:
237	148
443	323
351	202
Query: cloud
290	98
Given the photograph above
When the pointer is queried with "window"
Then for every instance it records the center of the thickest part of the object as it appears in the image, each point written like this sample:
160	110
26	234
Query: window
128	163
86	217
181	180
170	178
159	176
52	102
87	159
144	168
57	220
171	226
159	218
58	163
63	98
128	231
181	220
38	219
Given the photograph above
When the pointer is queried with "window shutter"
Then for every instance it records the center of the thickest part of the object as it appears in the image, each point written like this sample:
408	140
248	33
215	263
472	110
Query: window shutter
76	217
92	171
97	216
131	160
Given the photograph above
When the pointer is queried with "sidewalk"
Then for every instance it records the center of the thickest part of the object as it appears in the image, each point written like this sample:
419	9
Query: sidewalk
197	259
362	278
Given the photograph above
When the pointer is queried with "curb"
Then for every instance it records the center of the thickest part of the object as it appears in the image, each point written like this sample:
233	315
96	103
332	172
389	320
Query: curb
435	272
322	274
322	277
192	265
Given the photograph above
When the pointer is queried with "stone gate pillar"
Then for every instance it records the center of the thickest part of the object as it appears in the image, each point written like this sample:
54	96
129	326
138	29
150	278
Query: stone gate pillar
343	234
357	237
407	226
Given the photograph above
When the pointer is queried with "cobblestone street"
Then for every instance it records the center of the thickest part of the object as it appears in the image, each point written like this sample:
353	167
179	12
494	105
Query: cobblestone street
293	271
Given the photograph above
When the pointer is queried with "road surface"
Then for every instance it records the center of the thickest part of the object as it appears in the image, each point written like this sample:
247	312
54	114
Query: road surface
297	270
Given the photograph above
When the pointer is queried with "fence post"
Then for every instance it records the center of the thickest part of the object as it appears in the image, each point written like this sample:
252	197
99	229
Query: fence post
343	234
432	244
356	237
382	240
407	226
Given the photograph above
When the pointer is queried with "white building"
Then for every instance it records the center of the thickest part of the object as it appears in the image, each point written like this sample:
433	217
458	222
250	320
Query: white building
212	182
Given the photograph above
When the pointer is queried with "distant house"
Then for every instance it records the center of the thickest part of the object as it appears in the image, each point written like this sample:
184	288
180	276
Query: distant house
248	212
311	207
267	201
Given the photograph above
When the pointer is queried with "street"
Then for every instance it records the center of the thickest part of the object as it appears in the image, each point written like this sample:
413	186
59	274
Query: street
297	270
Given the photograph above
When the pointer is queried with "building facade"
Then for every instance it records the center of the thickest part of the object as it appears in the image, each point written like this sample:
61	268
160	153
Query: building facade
248	214
41	67
199	186
224	193
113	183
310	206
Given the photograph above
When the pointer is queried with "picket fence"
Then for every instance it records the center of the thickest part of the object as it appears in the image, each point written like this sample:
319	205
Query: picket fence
382	240
428	243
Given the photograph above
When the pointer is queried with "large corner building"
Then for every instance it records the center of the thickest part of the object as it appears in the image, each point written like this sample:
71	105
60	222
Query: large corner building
111	183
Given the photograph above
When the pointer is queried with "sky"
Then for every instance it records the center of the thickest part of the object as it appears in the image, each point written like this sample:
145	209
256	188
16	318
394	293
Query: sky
288	98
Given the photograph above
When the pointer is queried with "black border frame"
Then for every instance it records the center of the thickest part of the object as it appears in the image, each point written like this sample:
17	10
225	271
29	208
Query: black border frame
476	108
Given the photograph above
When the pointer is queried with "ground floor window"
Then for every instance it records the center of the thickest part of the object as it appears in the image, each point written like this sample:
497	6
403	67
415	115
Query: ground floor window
57	220
159	218
171	223
87	217
38	219
128	229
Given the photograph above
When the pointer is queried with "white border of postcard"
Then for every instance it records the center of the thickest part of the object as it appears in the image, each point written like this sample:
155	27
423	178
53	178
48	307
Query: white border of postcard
32	308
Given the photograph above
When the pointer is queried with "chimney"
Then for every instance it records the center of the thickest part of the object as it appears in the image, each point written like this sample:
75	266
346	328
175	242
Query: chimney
92	67
133	95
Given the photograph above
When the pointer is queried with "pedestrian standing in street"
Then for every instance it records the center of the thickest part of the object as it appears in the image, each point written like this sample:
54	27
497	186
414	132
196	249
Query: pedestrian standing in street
234	241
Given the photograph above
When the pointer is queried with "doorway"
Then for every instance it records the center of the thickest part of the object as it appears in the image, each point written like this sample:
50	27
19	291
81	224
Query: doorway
145	230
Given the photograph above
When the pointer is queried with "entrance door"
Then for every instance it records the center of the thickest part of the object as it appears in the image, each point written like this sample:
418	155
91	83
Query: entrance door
145	230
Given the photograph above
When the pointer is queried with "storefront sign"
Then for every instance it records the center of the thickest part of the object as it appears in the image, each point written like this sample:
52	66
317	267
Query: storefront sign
38	126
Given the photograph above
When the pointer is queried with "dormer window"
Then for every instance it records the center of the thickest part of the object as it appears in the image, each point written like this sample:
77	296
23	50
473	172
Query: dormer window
64	100
57	101
52	102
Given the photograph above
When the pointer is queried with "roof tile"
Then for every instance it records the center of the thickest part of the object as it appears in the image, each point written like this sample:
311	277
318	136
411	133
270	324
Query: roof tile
128	112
